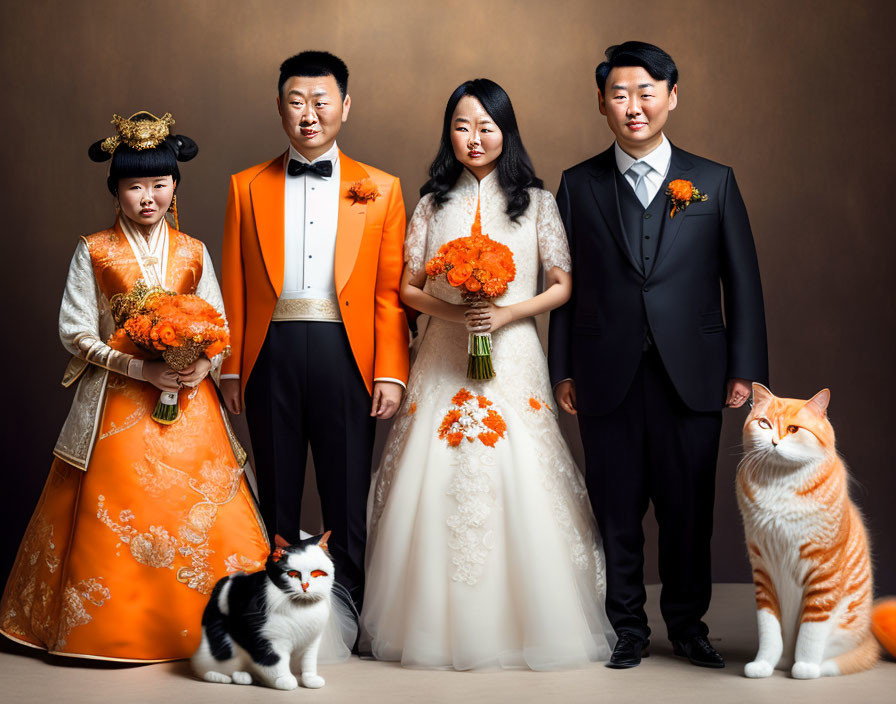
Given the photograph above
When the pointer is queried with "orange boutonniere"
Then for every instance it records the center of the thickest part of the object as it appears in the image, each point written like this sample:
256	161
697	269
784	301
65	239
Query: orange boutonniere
682	193
363	191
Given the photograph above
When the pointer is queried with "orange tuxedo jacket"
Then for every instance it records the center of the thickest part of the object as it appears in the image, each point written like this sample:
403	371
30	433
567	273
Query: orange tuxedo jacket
368	264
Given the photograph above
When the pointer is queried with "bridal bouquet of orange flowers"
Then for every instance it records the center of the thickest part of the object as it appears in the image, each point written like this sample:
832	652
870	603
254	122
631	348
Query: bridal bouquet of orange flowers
177	327
481	269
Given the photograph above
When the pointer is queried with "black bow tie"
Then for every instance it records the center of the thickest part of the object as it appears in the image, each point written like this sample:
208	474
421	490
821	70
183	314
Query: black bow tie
321	168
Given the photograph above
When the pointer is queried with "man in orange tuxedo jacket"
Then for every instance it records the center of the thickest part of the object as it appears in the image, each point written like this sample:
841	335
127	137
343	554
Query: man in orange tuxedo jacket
312	261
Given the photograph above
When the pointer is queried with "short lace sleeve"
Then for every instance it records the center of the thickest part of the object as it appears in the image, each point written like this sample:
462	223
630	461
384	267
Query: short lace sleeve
415	240
553	247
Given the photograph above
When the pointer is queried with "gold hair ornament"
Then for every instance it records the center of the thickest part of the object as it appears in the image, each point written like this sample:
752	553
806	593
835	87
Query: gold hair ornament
138	134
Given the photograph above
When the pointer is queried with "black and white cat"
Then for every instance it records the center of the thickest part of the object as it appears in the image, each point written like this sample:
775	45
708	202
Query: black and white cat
256	625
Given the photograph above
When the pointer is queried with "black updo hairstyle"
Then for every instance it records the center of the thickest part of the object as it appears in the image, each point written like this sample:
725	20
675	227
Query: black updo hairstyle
515	170
140	163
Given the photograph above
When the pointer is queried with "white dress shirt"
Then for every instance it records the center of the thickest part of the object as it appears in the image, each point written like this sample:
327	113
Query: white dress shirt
311	211
658	160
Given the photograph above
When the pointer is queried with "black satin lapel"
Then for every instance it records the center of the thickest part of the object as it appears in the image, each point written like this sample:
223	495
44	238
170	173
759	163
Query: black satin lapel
603	186
679	167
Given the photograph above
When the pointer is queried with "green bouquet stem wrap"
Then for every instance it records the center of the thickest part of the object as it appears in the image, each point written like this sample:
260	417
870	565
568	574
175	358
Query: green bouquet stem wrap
167	410
479	363
178	358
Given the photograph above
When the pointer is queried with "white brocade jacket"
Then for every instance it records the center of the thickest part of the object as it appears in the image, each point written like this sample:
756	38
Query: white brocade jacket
85	323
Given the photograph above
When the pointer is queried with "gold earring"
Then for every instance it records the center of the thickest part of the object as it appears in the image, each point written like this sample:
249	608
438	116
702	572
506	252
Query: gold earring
173	210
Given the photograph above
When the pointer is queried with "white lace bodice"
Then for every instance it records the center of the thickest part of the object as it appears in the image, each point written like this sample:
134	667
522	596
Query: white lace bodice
537	238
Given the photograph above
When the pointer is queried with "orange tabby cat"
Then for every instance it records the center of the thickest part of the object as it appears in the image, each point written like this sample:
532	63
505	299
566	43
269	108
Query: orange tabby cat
806	542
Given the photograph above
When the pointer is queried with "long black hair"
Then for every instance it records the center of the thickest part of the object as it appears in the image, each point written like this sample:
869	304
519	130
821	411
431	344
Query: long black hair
515	170
140	163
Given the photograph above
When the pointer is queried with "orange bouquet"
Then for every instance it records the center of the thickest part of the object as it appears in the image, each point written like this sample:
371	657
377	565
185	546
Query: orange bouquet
481	268
177	327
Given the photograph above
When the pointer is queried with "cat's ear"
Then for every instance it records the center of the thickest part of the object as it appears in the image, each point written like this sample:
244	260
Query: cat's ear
818	404
761	395
280	541
323	540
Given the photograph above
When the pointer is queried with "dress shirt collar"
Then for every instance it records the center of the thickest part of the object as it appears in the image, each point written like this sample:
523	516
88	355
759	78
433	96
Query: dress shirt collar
332	154
658	159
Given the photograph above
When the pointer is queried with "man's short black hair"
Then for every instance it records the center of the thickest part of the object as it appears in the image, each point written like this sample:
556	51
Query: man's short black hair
651	58
314	63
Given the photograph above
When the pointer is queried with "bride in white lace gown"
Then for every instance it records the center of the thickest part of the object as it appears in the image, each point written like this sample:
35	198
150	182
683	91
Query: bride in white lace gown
483	554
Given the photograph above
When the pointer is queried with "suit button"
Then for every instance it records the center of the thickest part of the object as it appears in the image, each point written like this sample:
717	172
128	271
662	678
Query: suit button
646	289
647	216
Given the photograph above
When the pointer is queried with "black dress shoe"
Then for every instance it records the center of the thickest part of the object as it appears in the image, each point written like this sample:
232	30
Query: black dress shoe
698	651
628	652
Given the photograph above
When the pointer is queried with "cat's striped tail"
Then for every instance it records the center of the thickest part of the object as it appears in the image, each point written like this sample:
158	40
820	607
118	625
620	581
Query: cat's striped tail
863	657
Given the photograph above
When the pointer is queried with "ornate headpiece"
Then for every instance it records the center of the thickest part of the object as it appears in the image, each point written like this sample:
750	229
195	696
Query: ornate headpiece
138	134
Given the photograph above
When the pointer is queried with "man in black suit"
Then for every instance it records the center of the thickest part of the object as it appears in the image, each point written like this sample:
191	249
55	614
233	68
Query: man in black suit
643	354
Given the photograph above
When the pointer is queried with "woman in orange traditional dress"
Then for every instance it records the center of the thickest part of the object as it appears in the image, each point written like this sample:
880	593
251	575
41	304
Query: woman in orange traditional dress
137	519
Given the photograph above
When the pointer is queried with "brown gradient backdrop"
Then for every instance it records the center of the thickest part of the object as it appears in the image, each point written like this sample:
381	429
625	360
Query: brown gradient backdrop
797	97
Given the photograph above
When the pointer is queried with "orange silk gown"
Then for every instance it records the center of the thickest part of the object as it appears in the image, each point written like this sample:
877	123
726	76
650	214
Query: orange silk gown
117	562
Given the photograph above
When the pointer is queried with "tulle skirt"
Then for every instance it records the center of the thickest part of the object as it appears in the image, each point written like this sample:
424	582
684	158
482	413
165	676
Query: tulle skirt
483	552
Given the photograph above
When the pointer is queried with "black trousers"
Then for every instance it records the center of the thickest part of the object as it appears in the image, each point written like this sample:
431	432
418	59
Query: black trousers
654	448
306	388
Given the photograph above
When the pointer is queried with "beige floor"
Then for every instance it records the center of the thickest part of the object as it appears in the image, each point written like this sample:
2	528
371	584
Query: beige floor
30	677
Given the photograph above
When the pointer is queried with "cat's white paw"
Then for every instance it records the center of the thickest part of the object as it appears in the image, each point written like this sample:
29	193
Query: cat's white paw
242	677
758	668
216	677
286	682
312	681
806	670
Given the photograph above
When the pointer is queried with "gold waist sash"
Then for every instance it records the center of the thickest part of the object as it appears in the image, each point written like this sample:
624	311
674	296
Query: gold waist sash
307	309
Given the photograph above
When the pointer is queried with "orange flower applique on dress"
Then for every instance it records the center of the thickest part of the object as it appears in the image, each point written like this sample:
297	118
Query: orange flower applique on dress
471	418
363	191
536	404
682	193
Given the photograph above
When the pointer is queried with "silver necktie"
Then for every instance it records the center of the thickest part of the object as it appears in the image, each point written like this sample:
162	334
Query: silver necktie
639	170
